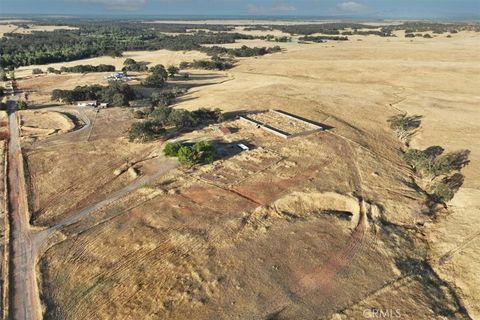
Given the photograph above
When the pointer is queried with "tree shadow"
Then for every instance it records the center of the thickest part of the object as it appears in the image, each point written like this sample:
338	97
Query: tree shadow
459	159
434	151
444	300
226	150
454	182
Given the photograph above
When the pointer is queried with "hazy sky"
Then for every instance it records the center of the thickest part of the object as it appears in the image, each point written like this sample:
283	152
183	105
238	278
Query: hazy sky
361	8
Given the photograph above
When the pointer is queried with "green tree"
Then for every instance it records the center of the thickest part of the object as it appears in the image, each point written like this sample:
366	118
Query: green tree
200	153
129	61
171	149
172	71
443	193
205	151
145	131
21	105
181	118
187	156
154	80
162	114
159	69
3	75
119	100
404	126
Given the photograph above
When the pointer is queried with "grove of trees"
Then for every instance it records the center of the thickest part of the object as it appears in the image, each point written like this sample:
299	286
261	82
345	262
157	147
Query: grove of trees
157	77
199	153
115	94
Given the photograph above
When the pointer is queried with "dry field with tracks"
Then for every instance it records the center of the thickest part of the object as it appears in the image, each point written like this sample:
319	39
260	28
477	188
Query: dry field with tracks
279	231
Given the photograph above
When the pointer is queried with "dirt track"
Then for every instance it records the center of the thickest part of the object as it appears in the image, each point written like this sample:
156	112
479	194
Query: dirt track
24	299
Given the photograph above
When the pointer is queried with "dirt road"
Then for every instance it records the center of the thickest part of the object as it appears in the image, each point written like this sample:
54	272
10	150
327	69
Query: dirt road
24	296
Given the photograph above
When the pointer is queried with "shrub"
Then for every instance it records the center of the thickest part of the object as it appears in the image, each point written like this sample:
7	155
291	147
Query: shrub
404	125
21	105
443	193
206	115
205	151
37	71
200	153
171	149
53	70
187	156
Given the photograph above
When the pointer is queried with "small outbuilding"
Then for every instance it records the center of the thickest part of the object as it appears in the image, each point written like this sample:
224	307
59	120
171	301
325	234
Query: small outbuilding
243	147
92	103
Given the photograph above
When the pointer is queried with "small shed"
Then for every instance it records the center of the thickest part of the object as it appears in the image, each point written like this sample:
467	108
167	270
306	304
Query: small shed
92	103
243	147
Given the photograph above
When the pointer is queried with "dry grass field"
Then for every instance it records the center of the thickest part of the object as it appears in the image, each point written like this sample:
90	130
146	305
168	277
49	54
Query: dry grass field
165	57
6	26
325	225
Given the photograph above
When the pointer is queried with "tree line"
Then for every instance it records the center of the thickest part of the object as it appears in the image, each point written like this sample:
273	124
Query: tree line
116	94
43	47
440	172
321	39
81	68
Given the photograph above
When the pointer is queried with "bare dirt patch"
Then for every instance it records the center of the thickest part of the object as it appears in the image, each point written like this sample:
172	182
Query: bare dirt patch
37	124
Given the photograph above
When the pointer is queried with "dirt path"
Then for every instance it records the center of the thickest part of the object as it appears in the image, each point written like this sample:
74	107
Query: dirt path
24	296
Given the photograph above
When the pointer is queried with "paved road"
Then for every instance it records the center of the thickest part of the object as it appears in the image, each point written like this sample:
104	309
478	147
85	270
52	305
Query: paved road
24	298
